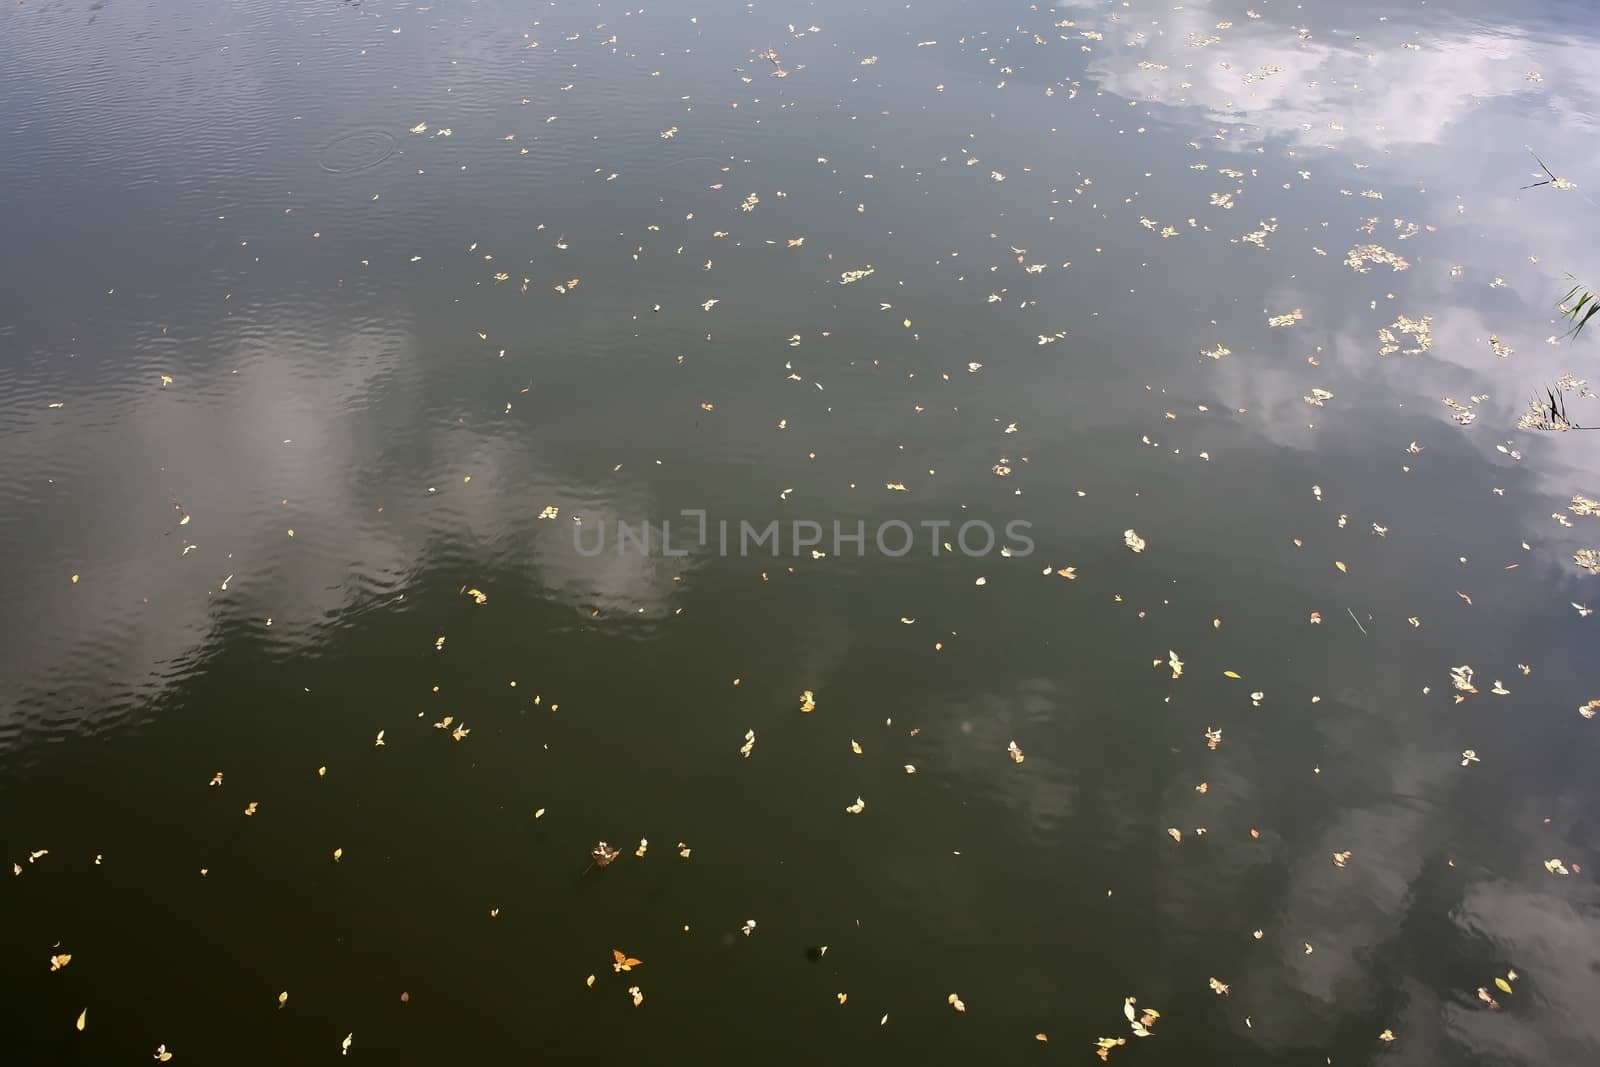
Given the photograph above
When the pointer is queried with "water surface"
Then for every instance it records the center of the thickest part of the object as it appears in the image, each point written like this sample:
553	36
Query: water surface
292	361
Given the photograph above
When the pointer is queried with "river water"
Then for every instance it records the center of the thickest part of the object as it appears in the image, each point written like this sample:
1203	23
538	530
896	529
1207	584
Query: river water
339	343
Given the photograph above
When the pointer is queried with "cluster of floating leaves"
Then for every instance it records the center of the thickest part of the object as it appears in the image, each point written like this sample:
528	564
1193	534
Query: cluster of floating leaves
1421	330
1363	258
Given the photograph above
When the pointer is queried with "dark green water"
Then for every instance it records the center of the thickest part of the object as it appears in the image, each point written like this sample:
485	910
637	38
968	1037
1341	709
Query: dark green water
248	286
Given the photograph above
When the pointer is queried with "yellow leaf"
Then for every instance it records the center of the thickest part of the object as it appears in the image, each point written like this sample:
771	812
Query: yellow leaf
83	1019
283	998
1505	986
1341	566
1230	674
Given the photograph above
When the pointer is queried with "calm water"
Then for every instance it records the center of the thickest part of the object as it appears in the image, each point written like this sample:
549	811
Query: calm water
310	310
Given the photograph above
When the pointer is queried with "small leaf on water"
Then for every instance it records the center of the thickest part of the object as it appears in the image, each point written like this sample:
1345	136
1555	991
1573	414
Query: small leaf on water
1504	986
83	1019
